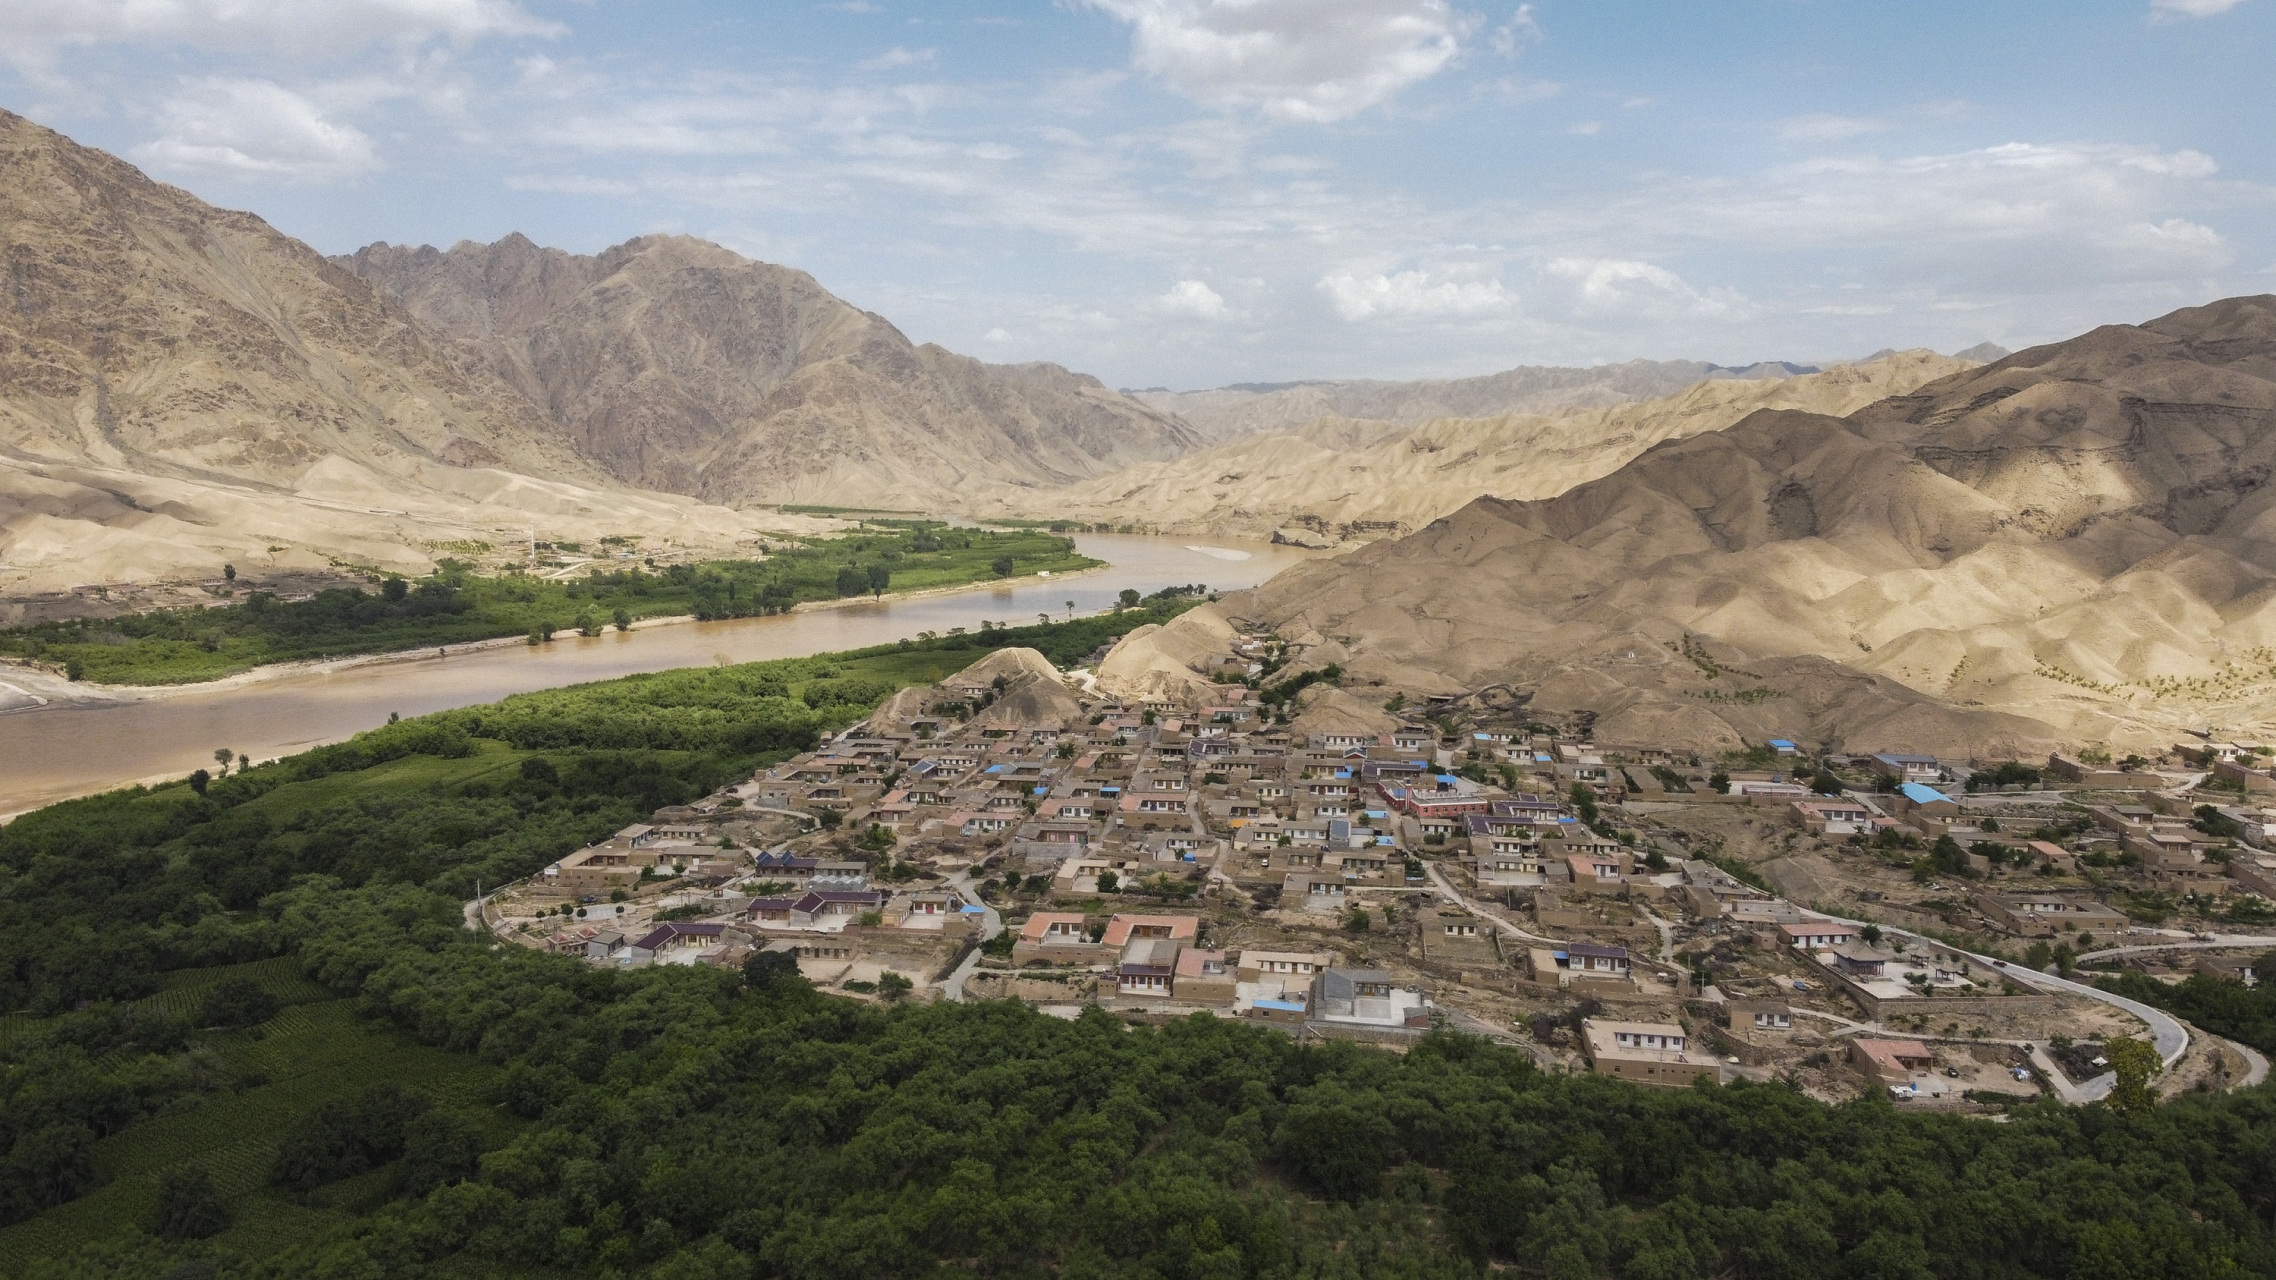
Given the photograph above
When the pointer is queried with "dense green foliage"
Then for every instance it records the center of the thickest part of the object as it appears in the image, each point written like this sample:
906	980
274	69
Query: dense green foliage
454	606
681	1122
505	1112
2223	1006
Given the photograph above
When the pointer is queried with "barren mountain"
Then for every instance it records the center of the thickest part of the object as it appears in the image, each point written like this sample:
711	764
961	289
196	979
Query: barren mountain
678	365
2076	542
182	385
1226	413
1338	479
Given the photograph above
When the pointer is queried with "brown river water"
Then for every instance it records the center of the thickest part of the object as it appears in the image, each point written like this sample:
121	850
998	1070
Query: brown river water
76	747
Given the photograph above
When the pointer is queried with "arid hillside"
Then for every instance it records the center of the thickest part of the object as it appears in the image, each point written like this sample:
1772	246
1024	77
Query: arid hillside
675	364
1341	480
1227	413
2076	542
183	386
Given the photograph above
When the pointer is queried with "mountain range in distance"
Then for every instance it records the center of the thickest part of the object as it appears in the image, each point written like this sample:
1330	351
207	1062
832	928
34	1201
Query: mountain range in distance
2070	543
2074	543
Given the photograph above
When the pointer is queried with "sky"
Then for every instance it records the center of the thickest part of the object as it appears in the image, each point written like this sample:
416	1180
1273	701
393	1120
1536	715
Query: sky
1188	193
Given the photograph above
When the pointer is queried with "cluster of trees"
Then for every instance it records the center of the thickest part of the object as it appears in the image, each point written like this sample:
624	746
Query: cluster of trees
692	1122
384	1125
2223	1006
456	605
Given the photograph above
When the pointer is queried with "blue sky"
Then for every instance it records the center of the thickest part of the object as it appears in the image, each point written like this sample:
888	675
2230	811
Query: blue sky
1194	192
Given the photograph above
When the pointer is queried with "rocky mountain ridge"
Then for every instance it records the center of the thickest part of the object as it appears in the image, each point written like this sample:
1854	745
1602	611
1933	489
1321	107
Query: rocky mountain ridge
2075	543
675	364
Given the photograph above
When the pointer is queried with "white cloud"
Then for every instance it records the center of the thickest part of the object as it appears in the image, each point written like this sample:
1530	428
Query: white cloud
1521	30
2018	217
2178	10
1625	287
1412	294
1191	298
35	29
254	129
897	56
1292	60
1586	128
1826	128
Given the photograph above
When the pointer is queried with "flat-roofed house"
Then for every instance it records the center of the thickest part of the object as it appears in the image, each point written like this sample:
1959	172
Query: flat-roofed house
1647	1053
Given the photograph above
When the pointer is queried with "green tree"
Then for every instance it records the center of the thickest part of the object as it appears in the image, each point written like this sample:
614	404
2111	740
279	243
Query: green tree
623	618
1338	1148
439	1148
851	581
588	624
229	572
188	1207
1825	783
394	590
1109	882
880	578
772	971
1127	599
2135	1063
893	986
237	1002
1002	565
198	780
1358	921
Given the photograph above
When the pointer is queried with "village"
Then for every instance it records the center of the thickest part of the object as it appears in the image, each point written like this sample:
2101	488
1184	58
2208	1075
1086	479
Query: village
1203	821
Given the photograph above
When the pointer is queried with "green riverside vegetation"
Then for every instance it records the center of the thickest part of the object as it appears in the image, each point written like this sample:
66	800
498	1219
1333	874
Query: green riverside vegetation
456	606
252	1038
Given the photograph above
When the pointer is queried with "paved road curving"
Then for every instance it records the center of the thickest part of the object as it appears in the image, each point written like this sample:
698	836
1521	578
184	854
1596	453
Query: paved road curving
2167	1032
2218	942
991	924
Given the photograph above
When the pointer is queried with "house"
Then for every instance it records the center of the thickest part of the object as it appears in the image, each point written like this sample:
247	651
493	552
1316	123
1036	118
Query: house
1817	935
1903	768
1366	997
1146	969
681	935
1301	965
1919	797
1758	1015
1455	936
1857	960
2037	914
1592	872
1312	892
1122	929
1056	937
1891	1061
1828	817
1582	966
1648	1053
1202	978
816	909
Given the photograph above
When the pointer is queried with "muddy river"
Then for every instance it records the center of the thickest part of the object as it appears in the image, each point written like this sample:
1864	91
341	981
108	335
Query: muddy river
74	746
